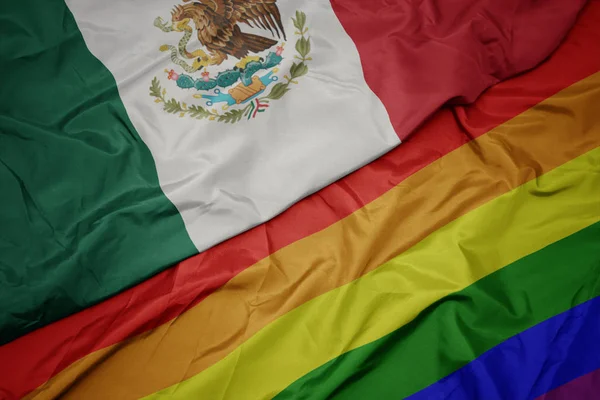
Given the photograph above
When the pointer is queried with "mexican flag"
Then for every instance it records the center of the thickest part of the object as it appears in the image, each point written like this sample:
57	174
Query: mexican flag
258	198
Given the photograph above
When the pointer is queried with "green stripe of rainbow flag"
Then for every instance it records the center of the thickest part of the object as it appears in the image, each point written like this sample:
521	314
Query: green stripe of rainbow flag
463	325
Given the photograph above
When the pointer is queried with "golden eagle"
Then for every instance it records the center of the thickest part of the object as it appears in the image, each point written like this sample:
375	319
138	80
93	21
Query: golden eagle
217	21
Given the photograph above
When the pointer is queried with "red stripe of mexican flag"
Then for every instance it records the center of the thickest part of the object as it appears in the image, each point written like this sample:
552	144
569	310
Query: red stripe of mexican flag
417	56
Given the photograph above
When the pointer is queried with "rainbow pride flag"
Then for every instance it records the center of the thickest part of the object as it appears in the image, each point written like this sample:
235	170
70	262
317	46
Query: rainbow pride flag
308	199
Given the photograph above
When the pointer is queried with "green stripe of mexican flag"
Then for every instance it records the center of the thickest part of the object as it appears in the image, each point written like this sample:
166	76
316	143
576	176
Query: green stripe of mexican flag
82	212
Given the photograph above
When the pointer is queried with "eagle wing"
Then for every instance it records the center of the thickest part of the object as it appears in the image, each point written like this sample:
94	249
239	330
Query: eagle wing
262	13
216	24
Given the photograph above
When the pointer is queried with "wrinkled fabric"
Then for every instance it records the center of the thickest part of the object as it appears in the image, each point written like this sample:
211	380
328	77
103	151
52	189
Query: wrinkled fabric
548	355
88	210
460	328
82	215
447	201
419	55
225	178
562	201
586	387
167	295
175	326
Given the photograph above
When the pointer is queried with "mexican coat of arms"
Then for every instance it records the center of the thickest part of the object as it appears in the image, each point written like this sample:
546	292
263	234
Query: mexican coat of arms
240	91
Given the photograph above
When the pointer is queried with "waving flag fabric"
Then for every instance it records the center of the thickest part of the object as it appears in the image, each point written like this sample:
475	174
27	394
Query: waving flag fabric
147	148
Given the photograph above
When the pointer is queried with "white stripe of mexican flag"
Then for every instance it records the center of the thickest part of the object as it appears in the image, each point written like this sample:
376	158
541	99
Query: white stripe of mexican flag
227	177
